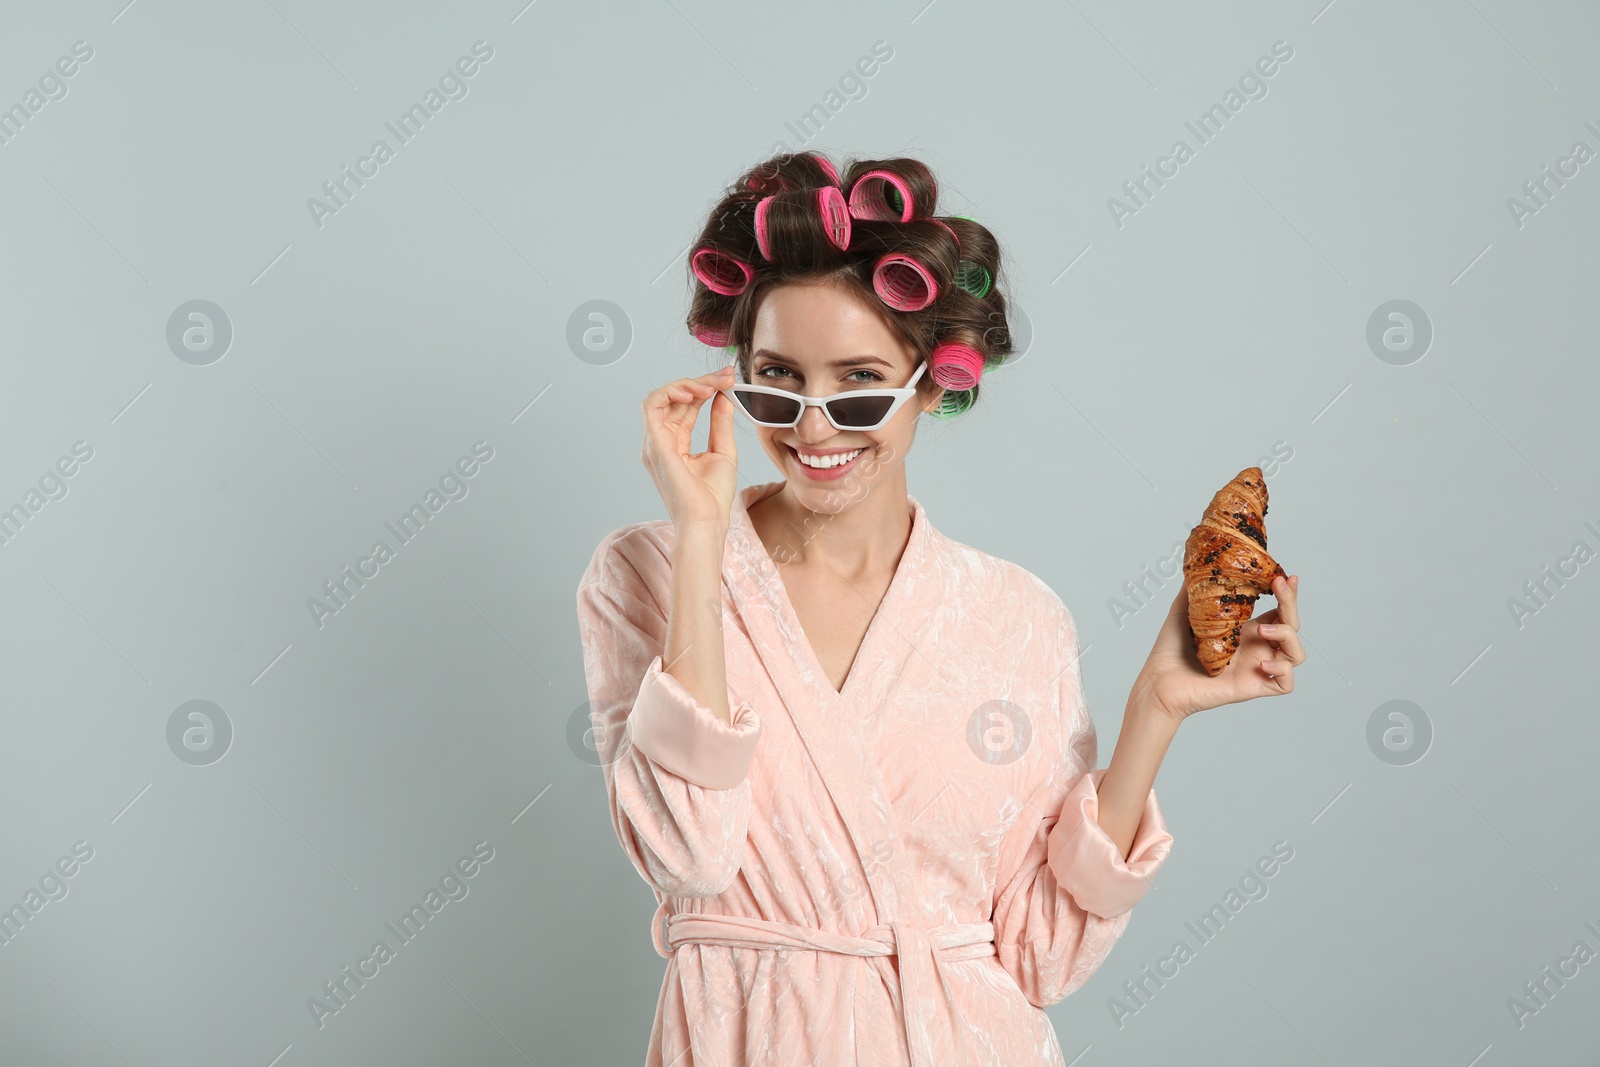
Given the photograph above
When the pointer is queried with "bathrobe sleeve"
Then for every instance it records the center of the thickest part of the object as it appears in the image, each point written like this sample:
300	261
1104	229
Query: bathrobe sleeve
676	776
1065	893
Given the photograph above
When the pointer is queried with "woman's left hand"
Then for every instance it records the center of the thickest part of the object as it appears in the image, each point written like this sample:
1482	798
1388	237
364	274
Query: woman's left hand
1269	650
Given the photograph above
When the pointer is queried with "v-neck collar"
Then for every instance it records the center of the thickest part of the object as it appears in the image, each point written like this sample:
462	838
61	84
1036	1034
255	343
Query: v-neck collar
829	722
759	563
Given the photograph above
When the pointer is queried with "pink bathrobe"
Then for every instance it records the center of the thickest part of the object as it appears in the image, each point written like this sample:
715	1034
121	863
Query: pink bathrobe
904	872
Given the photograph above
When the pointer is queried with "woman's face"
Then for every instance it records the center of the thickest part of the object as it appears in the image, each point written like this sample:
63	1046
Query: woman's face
818	339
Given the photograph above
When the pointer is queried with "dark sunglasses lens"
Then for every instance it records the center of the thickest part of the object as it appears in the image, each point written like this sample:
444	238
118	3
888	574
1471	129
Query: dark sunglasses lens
764	407
860	411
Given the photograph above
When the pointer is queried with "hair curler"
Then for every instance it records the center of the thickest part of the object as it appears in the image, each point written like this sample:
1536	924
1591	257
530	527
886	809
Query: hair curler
974	278
835	216
766	180
955	365
903	283
720	272
831	210
873	197
827	166
762	244
954	402
711	336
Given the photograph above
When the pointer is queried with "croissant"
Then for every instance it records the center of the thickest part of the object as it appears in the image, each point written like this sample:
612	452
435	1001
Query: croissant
1226	566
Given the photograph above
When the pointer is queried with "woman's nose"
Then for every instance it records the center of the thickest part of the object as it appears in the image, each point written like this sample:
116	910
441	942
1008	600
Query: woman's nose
814	425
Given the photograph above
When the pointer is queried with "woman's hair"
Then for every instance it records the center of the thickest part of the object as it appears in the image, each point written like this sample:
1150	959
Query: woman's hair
780	223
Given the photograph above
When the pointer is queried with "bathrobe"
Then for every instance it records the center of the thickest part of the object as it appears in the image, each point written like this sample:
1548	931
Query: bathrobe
904	871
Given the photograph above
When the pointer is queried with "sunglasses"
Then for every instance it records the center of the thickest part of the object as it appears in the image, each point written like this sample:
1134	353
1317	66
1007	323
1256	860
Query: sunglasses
858	409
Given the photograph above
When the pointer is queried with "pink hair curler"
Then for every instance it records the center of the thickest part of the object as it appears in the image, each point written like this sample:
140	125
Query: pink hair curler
710	335
761	228
955	365
767	181
869	197
835	215
721	272
903	283
831	208
827	166
951	231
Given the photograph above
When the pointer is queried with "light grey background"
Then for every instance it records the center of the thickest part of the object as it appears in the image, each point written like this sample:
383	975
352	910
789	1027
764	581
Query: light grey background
1228	315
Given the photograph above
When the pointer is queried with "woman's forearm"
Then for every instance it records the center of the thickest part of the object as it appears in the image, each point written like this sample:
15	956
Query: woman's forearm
694	652
1141	746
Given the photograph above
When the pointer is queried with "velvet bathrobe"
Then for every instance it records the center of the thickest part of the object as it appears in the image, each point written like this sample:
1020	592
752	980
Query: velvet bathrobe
902	872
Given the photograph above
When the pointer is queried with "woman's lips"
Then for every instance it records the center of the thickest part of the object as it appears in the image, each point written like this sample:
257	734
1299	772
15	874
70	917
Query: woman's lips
828	474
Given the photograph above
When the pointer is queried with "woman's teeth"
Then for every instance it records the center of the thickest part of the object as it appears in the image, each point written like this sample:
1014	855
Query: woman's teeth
824	462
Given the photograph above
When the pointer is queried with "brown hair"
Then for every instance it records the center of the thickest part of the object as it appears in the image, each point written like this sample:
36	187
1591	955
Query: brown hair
961	254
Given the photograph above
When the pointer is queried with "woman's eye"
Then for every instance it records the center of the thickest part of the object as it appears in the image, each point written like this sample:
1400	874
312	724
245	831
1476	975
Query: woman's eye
774	370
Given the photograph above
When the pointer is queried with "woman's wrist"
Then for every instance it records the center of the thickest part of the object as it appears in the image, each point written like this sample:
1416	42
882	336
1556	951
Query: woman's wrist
700	533
1145	704
1142	744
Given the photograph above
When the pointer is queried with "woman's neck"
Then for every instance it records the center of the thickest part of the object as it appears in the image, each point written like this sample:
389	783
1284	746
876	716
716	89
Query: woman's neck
866	536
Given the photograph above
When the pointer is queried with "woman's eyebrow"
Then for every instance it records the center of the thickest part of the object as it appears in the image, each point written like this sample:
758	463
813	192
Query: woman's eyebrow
853	361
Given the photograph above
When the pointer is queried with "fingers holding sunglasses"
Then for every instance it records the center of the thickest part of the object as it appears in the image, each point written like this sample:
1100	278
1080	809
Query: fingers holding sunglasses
707	383
701	387
676	405
697	487
721	437
678	402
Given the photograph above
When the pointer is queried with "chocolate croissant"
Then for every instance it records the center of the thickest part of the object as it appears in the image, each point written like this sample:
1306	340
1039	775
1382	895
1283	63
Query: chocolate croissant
1226	567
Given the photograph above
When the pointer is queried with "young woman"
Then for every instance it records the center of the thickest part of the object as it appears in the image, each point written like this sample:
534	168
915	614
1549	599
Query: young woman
850	755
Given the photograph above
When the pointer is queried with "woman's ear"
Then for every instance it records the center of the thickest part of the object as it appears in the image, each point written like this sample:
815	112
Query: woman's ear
933	404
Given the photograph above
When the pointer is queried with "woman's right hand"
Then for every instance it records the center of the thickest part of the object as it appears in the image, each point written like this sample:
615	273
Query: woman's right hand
698	487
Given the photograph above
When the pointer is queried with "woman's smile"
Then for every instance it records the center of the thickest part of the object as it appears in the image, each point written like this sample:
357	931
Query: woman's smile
824	466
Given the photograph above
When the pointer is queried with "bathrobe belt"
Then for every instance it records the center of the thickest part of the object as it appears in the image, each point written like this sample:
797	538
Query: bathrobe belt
920	950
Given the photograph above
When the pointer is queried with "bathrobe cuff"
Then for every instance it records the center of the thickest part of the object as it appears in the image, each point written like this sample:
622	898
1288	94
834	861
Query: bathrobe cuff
683	735
1088	864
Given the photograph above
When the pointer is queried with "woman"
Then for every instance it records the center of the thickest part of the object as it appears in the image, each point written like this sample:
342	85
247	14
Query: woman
851	756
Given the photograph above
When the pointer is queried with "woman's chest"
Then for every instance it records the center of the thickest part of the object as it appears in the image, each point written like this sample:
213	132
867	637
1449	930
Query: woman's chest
834	617
943	738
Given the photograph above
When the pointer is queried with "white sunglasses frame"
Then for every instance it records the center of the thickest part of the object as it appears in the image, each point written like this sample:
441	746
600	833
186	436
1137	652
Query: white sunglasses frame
901	395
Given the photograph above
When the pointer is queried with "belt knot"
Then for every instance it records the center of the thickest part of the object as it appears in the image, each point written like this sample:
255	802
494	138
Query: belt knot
920	951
